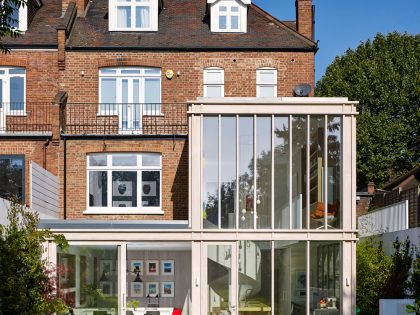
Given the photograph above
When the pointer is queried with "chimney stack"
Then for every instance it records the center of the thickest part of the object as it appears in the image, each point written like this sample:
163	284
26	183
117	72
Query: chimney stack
305	18
371	188
81	6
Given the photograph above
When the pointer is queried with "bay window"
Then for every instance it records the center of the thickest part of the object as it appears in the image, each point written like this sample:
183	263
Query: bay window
124	183
133	15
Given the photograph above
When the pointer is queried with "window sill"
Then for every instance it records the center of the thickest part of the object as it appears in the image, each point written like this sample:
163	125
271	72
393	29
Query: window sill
122	211
16	113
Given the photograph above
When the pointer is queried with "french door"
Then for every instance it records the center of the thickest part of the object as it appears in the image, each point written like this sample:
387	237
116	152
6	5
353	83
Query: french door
219	272
130	111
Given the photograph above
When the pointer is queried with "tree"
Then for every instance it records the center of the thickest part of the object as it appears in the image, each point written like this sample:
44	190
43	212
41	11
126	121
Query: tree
384	76
8	18
27	282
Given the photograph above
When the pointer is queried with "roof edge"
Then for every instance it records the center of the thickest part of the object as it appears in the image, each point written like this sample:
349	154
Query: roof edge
188	49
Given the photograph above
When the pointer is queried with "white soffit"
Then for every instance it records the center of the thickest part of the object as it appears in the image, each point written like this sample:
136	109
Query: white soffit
243	1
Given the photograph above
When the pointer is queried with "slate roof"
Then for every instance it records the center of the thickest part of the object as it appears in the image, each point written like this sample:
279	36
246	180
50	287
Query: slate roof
42	30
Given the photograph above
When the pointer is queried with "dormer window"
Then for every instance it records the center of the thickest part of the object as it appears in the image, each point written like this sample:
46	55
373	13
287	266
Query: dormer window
133	15
228	16
19	17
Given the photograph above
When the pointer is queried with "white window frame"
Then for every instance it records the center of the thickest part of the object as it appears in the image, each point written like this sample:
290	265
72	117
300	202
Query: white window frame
22	18
207	84
6	90
139	168
261	84
113	14
241	14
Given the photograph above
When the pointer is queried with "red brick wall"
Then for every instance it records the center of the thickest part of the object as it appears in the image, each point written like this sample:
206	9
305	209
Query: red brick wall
304	17
174	175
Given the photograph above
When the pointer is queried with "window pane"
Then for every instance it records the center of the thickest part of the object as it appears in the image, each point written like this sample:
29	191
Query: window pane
150	189
234	22
213	76
108	71
11	177
98	189
222	22
143	17
152	71
124	160
214	91
222	9
263	150
124	189
228	172
16	71
246	171
151	160
108	90
17	93
136	107
234	9
210	173
334	171
14	16
281	173
267	91
152	90
98	160
123	17
1	93
267	76
299	134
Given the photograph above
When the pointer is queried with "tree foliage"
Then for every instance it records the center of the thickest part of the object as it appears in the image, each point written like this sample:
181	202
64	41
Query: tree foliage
27	282
7	20
384	76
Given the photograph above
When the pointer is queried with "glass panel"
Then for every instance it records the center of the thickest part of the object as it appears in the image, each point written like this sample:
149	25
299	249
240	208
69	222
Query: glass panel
214	91
281	173
98	189
334	172
152	96
124	160
222	9
234	9
263	150
228	172
325	278
136	107
246	172
150	189
124	189
222	22
142	17
219	278
210	173
290	277
1	93
214	77
88	278
152	71
124	106
151	160
108	71
299	145
98	160
267	77
267	91
17	93
316	172
108	95
17	71
234	22
130	71
12	177
15	15
254	277
123	17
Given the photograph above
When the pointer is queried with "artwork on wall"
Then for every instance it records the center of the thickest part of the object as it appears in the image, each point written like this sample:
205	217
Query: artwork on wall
149	188
122	188
300	282
167	289
136	266
136	289
167	267
152	267
106	287
152	288
105	269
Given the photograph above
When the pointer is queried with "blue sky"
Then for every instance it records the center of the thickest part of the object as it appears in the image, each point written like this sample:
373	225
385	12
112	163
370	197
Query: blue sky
343	24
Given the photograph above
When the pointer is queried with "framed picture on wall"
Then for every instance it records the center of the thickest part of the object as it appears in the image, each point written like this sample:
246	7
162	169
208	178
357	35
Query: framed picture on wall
152	267
167	267
105	269
136	289
136	266
152	288
167	289
106	287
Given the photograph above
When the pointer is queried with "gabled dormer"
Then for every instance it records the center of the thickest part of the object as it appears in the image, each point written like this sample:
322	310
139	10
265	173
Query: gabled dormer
23	15
134	15
228	16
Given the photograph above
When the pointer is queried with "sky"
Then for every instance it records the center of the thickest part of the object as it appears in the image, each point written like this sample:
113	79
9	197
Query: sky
343	24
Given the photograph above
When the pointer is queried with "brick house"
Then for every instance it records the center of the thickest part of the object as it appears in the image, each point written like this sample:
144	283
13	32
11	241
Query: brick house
190	177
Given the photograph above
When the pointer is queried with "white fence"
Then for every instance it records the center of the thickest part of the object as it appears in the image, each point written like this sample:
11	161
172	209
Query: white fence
391	218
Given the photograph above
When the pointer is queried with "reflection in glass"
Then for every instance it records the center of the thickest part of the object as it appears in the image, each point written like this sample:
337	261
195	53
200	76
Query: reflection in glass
281	173
98	160
263	150
124	189
124	160
88	277
210	173
334	171
290	277
228	172
299	172
12	170
254	276
150	191
325	279
246	172
98	189
316	162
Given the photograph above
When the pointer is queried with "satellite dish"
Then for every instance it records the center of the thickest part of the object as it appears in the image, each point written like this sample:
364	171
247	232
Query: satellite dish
302	90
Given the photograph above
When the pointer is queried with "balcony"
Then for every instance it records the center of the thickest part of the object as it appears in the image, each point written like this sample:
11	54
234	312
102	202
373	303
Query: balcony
25	118
124	119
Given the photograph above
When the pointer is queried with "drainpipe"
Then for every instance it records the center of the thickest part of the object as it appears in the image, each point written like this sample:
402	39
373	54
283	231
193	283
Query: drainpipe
44	153
65	179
